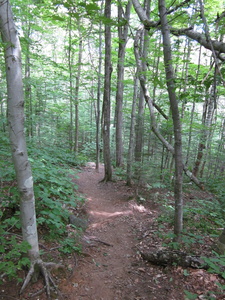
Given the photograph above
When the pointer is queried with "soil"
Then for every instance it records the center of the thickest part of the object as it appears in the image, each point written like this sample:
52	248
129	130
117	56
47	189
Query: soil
110	266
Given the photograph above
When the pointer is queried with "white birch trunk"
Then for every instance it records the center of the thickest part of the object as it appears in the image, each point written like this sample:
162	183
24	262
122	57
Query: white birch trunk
16	127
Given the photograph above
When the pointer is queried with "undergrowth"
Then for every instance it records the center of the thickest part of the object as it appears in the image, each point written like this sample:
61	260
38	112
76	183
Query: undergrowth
55	195
203	222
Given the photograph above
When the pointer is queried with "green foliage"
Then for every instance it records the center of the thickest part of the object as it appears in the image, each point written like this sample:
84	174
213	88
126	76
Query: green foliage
69	245
88	152
12	254
187	240
53	187
189	295
216	186
201	218
120	172
207	215
167	215
216	264
157	185
6	166
55	195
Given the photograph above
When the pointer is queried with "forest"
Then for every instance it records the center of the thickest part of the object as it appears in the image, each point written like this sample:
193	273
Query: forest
138	86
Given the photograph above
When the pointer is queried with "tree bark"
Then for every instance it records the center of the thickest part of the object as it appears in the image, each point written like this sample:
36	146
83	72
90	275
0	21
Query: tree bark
192	112
70	64
171	257
170	79
27	88
143	49
15	106
98	117
106	97
149	102
132	133
77	85
207	118
221	243
122	34
218	46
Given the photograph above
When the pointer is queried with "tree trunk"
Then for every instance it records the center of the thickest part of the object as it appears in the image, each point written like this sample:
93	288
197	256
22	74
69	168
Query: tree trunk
70	64
220	164
150	104
77	84
106	98
144	45
15	103
221	243
3	115
15	106
132	133
170	77
27	88
122	34
193	111
99	95
207	117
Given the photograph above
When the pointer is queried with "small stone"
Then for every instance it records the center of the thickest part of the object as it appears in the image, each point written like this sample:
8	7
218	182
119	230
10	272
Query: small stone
75	284
78	222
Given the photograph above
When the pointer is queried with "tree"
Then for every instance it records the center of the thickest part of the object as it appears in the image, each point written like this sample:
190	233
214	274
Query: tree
123	22
77	85
170	80
15	104
132	133
98	119
106	97
143	48
70	64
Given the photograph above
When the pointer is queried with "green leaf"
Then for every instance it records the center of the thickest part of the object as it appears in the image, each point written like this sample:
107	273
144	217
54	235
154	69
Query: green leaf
57	18
189	295
185	272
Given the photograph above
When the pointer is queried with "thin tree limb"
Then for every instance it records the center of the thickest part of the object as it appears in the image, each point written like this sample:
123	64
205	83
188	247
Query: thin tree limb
218	46
178	6
149	102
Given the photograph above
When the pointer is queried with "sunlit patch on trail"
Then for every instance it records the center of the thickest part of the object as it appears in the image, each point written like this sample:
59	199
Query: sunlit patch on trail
139	208
104	217
110	215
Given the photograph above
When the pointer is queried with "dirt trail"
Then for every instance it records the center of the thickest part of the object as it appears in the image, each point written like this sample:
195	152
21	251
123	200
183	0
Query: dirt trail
110	268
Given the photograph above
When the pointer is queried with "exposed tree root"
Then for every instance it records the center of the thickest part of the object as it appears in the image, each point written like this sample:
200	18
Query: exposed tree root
49	281
89	239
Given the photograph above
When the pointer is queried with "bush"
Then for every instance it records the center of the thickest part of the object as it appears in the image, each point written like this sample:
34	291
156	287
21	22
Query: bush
54	193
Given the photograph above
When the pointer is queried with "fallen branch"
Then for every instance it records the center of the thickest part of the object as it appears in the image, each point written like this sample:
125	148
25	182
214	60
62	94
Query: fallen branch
88	239
171	257
166	257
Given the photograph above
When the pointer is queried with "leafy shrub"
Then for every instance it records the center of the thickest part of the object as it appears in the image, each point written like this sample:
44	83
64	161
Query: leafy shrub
54	193
69	245
216	264
202	217
216	186
11	254
206	213
54	190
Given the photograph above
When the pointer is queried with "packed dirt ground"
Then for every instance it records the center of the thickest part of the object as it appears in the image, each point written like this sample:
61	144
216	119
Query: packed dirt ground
110	266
